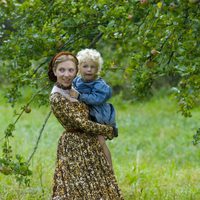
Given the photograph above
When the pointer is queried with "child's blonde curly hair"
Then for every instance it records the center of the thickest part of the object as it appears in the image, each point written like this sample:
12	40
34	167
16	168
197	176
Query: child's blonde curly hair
90	55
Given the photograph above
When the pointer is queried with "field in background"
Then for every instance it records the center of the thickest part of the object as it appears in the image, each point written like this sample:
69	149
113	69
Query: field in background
153	157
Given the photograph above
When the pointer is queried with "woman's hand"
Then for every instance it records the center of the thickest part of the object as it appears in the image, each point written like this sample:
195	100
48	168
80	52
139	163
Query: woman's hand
73	93
72	99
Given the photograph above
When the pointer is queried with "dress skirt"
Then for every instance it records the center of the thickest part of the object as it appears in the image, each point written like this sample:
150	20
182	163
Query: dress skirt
82	171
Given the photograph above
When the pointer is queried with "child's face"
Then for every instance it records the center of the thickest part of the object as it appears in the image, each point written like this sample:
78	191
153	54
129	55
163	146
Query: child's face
88	70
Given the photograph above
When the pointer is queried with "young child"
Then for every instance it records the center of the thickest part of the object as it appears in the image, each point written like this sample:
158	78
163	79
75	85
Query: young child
94	91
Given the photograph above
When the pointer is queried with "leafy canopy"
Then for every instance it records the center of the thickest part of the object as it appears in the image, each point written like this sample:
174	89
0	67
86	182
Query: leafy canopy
140	40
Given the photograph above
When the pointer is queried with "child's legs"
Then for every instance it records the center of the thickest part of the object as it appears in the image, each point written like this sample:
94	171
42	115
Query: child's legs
105	149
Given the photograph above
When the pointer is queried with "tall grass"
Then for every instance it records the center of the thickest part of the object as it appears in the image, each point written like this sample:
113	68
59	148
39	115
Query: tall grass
153	156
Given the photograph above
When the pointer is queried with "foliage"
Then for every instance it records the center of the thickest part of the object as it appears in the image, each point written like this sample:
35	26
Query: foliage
196	137
140	41
153	156
144	40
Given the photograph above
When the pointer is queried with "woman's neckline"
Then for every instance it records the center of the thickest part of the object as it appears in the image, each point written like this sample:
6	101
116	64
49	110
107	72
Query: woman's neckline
62	86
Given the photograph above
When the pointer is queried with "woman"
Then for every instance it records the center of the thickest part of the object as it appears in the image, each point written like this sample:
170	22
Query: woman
82	171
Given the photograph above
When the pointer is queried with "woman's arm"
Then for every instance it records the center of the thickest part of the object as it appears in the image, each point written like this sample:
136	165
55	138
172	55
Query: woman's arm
72	113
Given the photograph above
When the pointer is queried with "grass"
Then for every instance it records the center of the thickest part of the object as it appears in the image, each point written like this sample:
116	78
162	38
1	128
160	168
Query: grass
153	157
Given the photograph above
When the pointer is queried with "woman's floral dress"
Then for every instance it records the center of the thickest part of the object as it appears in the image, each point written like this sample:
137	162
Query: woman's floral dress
82	171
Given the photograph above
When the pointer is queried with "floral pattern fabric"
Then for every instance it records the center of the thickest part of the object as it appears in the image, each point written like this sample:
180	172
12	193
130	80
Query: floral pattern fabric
82	171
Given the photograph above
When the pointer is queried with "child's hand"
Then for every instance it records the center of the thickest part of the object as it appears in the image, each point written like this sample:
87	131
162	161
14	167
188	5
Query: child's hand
73	99
115	131
73	93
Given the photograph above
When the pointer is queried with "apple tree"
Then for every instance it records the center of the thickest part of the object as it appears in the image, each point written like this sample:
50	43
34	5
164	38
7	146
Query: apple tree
141	41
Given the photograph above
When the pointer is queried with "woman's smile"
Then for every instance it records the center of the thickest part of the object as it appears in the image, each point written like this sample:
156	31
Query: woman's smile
65	72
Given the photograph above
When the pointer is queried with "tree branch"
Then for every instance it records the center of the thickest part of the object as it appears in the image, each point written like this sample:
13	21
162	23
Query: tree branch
95	40
39	137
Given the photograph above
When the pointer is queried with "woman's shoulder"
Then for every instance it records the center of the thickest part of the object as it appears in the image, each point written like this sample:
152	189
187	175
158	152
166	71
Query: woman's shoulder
57	98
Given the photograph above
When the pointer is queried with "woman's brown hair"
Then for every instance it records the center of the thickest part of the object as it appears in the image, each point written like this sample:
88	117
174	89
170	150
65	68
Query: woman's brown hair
55	61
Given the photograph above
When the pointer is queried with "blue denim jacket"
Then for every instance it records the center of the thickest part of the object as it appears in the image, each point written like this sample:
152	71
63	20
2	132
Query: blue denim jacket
95	94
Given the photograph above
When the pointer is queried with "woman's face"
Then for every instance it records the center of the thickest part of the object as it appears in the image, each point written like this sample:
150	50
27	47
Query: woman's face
65	72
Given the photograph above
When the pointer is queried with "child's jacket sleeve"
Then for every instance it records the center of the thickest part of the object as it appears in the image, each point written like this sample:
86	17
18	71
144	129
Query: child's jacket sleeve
100	93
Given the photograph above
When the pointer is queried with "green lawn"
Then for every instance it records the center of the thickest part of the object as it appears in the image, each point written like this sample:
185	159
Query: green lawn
153	156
